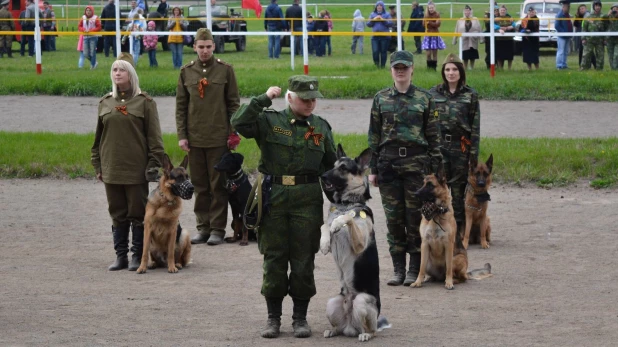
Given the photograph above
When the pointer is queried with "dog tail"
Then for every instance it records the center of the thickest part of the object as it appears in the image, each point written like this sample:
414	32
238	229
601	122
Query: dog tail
480	274
383	323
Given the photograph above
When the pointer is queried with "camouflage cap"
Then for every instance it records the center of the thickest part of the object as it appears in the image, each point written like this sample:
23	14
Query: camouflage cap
306	87
402	57
452	58
203	34
127	57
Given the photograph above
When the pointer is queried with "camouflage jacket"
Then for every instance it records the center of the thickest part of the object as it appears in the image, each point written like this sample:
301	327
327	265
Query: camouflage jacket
460	115
403	120
206	98
285	150
612	27
591	25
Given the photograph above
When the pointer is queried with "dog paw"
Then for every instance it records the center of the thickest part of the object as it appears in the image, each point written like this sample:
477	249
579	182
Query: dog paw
179	266
172	269
449	285
465	244
328	333
325	245
338	223
484	244
141	270
416	284
364	337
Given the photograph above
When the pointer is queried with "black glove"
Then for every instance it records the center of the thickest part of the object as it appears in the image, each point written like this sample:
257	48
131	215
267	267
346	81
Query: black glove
152	174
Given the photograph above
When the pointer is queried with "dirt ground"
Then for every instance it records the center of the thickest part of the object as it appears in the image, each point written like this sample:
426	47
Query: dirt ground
552	256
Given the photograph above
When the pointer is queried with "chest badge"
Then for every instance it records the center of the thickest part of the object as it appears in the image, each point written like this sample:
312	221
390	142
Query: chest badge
362	214
435	114
282	131
352	214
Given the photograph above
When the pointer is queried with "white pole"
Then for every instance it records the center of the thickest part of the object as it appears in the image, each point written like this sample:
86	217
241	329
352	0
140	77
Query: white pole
118	27
460	48
492	40
37	37
292	44
208	15
399	28
305	38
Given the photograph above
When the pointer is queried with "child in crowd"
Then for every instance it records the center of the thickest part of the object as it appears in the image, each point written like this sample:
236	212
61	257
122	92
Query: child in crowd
150	45
358	25
135	26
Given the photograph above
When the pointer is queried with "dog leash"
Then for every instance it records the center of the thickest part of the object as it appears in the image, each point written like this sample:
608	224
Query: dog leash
256	194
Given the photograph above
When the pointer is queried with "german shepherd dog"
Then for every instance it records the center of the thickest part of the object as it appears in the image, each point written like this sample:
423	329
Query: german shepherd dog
238	188
164	243
349	235
443	257
478	227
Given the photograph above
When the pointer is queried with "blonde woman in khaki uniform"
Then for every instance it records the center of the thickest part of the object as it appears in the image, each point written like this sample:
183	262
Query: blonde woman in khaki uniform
126	154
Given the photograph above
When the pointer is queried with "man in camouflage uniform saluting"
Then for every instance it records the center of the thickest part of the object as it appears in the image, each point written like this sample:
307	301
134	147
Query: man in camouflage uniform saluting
296	147
6	41
206	98
405	140
595	22
460	127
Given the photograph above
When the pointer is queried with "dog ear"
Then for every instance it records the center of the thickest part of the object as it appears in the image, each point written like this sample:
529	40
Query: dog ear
167	165
185	162
440	174
473	163
490	162
238	157
340	151
363	159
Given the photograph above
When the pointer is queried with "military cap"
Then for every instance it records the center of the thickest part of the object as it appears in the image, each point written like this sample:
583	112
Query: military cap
467	7
402	57
452	58
203	34
614	5
392	7
531	8
4	3
306	87
127	57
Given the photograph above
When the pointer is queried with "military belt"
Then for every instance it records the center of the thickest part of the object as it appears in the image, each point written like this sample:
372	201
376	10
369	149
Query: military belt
403	152
294	180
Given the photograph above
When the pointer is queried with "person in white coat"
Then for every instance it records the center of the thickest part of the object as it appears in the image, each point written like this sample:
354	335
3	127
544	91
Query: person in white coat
470	45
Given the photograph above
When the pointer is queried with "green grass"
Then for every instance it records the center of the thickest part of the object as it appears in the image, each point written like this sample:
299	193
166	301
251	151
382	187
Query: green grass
545	162
255	72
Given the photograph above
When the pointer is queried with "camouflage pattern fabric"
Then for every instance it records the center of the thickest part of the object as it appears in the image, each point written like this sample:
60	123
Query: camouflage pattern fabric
612	42
6	41
407	119
460	115
594	44
291	230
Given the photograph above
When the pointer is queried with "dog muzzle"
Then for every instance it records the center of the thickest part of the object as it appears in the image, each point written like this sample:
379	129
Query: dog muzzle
430	210
184	190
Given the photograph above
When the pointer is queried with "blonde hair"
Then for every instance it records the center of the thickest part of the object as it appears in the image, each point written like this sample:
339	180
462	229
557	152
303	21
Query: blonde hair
291	94
133	79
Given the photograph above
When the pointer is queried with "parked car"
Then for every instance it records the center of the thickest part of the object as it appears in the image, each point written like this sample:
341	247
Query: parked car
231	23
546	10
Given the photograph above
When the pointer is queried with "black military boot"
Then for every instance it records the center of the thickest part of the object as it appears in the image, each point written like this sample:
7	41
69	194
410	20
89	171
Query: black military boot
137	247
413	269
399	269
121	246
299	316
273	325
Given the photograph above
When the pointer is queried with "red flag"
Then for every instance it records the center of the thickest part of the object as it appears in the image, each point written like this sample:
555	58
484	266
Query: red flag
253	5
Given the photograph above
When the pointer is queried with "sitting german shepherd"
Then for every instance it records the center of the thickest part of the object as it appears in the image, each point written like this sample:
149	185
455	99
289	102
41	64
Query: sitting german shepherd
443	257
348	234
238	188
478	227
164	244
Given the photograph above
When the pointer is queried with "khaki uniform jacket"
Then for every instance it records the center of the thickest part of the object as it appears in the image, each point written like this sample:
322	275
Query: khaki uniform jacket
6	25
128	139
204	118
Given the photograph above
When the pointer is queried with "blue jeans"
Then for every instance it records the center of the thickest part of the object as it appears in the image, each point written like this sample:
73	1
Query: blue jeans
274	46
379	46
563	52
27	39
80	63
176	49
137	48
327	43
109	40
90	49
320	45
152	56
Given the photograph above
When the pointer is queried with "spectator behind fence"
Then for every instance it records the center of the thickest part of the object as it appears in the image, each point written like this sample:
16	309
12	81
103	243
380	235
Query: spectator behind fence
380	22
136	27
358	26
530	44
294	16
329	24
593	45
108	21
163	8
132	13
563	25
392	45
90	24
612	41
310	38
416	25
320	26
6	41
150	44
504	44
578	21
431	44
28	25
487	40
176	23
470	45
48	24
273	21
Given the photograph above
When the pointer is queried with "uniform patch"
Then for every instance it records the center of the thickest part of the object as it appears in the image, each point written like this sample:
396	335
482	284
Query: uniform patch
362	214
435	113
282	131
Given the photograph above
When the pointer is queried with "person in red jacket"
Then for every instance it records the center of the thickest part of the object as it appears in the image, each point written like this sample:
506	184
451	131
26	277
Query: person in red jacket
90	25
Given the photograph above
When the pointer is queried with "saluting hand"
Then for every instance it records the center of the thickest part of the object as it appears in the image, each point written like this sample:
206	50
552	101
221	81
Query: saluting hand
273	92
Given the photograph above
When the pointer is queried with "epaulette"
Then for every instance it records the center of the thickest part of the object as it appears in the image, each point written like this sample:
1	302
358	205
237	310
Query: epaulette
325	121
144	94
223	63
108	95
187	64
270	110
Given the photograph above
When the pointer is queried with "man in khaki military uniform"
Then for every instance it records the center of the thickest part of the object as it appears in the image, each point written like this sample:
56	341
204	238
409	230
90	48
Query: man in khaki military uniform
206	99
6	41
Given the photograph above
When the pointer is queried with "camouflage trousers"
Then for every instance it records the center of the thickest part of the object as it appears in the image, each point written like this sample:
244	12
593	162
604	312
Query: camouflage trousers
456	166
598	50
612	53
6	41
401	206
290	233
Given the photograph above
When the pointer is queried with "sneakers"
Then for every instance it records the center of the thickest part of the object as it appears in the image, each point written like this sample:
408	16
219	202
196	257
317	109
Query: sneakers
94	66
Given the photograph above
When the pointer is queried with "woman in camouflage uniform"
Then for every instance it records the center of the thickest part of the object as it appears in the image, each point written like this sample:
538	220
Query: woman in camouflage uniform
126	154
460	126
296	147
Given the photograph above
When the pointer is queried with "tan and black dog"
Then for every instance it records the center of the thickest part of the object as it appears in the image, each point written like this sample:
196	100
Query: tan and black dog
165	244
478	227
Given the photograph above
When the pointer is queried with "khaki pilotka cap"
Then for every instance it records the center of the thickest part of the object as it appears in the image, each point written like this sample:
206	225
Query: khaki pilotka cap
127	57
203	34
452	58
306	87
402	57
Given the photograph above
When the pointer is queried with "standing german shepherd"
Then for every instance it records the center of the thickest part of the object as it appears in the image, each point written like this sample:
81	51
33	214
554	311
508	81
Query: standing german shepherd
164	244
348	234
476	203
